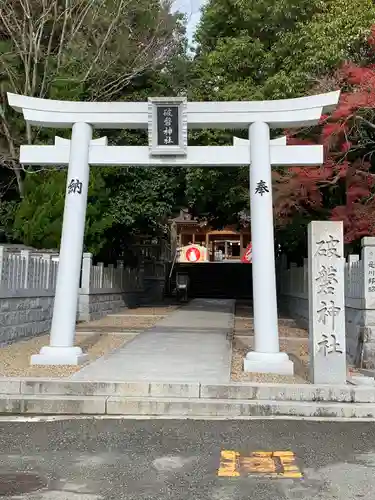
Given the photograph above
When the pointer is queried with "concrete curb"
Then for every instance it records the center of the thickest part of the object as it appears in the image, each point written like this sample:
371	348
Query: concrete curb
226	408
57	396
177	407
235	390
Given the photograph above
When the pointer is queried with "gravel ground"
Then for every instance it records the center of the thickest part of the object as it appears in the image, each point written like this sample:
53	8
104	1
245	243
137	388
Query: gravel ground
119	323
243	309
146	311
238	375
15	358
245	327
243	341
97	338
138	319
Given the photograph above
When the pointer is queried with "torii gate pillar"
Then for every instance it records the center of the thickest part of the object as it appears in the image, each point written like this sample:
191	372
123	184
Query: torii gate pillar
266	349
61	350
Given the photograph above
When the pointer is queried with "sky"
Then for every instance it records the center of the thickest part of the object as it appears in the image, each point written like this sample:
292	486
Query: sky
192	9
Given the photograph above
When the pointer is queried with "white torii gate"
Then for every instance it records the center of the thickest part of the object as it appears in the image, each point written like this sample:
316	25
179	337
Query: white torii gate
259	152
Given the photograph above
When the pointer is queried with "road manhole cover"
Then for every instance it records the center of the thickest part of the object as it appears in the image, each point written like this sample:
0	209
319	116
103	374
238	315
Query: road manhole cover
17	483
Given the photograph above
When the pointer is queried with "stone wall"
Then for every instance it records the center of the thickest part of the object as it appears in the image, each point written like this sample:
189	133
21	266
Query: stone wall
297	308
99	303
359	327
24	314
359	301
360	335
28	282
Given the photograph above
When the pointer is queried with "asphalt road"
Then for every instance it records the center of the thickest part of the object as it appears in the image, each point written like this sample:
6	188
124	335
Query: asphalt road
179	460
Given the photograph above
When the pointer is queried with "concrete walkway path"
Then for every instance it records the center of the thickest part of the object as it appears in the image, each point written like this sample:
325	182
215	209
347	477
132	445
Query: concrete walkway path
191	344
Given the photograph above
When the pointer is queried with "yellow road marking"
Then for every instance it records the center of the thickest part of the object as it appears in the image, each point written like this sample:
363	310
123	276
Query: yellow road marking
262	465
281	464
228	464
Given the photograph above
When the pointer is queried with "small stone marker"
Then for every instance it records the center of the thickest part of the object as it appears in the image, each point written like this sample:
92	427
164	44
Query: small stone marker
326	303
368	259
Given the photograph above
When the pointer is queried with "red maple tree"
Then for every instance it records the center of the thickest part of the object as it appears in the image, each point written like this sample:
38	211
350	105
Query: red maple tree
344	187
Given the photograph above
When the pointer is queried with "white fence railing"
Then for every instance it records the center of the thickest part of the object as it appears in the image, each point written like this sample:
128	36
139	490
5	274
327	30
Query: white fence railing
29	270
26	270
359	278
100	277
354	280
294	281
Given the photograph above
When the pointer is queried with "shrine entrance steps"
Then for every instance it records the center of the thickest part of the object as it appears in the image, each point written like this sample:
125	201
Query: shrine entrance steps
192	344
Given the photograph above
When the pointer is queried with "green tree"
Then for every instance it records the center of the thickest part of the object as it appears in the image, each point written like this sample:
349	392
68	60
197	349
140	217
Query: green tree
84	50
122	201
121	204
252	50
77	50
270	50
38	218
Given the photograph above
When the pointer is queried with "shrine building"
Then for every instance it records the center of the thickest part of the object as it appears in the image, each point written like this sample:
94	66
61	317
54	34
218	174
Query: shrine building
222	245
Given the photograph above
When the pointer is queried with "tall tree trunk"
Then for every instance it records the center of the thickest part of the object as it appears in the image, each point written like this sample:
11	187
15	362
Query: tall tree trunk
12	152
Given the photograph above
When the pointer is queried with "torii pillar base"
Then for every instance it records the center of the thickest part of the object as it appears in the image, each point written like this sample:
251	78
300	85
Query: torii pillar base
51	355
265	362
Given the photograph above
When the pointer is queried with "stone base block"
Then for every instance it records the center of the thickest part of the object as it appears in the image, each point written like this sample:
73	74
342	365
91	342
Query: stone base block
59	356
261	362
361	380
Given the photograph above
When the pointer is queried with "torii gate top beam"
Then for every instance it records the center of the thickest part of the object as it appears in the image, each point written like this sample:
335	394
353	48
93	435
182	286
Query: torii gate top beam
302	111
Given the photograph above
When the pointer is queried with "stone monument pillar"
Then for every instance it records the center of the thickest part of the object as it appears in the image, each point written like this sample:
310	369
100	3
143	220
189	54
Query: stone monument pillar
326	303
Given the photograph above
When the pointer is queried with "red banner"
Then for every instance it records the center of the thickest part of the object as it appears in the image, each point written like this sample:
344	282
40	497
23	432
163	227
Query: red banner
247	257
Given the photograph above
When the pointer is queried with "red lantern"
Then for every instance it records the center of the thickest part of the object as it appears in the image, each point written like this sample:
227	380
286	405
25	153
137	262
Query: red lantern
248	255
193	254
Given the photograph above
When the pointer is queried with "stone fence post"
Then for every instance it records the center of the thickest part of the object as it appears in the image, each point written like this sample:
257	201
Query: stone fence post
120	274
368	259
86	272
3	264
83	312
46	258
352	258
111	272
25	258
327	343
100	265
